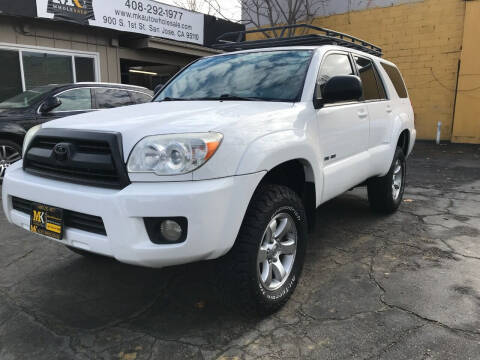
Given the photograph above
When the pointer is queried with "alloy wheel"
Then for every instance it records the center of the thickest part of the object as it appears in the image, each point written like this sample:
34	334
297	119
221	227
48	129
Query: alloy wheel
397	180
8	155
277	251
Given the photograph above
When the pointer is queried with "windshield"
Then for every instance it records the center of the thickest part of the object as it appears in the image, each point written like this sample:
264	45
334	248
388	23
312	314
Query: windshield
269	76
26	98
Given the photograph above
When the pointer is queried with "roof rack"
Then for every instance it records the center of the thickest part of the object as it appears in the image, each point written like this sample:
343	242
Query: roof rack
234	41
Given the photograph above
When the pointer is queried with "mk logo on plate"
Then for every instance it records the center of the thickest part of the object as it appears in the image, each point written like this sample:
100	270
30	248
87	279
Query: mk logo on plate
38	216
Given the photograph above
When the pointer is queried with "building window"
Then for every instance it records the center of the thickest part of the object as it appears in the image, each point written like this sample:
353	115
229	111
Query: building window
11	83
85	69
24	68
43	69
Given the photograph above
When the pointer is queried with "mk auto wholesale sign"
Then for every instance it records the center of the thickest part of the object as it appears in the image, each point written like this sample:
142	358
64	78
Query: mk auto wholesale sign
146	17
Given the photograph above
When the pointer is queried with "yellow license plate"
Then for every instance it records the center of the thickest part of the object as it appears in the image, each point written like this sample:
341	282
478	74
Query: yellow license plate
47	220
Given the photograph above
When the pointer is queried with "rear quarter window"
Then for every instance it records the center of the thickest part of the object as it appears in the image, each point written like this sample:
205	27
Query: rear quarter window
139	98
396	78
108	98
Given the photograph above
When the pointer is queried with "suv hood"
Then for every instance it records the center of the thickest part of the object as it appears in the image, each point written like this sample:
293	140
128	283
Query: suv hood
156	118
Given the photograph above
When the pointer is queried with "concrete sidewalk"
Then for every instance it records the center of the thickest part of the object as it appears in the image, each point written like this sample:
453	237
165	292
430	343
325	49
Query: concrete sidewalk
405	286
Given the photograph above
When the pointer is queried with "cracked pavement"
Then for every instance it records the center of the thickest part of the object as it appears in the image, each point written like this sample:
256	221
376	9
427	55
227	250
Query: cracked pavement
405	286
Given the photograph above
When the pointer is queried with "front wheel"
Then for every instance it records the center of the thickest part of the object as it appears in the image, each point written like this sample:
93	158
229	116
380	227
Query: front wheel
263	267
385	193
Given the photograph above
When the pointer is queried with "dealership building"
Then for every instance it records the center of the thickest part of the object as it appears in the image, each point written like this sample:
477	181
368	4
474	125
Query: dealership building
132	42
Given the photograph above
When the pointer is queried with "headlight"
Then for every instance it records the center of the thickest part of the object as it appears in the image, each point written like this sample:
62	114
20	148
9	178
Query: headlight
173	154
28	138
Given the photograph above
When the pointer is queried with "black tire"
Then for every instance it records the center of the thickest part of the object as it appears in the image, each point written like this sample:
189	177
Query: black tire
12	145
240	268
381	194
85	254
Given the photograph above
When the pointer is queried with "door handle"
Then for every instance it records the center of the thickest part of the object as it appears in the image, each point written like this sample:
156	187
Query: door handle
362	114
389	109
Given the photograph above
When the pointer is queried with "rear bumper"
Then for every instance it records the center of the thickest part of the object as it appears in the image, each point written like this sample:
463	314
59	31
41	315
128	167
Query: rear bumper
214	210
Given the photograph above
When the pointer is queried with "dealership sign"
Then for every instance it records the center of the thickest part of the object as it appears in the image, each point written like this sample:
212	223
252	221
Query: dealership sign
146	17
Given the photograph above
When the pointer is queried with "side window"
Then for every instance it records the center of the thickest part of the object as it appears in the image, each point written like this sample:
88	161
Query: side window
75	100
396	79
139	98
112	98
372	85
333	65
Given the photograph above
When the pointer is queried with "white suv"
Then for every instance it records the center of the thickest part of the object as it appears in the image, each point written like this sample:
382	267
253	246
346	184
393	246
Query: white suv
232	158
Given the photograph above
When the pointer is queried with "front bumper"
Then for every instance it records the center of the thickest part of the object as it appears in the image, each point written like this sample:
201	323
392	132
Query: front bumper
214	209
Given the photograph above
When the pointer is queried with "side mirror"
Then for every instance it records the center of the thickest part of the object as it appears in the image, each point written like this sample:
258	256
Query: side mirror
50	104
340	88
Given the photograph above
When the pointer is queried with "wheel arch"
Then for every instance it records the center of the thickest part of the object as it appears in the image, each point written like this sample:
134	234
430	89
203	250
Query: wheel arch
404	141
297	174
12	132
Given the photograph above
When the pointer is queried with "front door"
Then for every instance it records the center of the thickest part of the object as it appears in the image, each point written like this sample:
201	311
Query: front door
343	132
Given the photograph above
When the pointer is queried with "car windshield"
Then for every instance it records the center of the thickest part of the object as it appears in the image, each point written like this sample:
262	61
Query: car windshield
26	98
266	76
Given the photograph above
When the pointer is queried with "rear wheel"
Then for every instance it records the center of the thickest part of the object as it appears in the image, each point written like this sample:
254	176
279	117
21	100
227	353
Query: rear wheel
10	152
262	270
385	193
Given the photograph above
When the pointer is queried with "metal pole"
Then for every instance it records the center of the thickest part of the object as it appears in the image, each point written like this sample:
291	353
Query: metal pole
439	132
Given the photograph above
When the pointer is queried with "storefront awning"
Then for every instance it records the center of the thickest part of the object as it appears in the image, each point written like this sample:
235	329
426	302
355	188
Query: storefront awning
171	46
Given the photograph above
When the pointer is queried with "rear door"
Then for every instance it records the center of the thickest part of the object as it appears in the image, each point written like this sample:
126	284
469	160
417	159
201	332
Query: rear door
343	131
380	109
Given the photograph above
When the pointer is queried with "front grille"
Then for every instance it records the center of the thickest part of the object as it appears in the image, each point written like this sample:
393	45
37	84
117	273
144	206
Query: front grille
91	158
71	219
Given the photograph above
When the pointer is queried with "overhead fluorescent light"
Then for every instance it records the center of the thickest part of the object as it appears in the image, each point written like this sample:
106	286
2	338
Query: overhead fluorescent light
143	72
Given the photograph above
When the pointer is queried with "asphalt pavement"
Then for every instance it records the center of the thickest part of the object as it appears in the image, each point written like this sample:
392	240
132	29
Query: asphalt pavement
405	286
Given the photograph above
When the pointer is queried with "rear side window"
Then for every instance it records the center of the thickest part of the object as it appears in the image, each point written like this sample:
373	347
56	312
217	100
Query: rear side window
396	79
139	98
372	85
111	98
333	65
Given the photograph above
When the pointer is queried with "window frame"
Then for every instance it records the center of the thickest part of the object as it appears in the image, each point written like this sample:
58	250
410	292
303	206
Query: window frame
354	69
47	50
95	100
383	64
297	99
72	111
378	79
139	92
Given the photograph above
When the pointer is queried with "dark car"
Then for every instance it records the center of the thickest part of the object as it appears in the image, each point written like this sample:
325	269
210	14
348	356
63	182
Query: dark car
49	102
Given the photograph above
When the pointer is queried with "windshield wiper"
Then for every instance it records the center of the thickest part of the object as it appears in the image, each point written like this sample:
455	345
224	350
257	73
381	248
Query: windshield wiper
224	97
173	99
229	97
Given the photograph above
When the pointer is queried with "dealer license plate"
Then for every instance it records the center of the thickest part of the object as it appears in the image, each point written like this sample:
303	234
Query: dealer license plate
47	220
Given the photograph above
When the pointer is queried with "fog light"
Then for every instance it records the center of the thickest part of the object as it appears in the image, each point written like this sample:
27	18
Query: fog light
164	231
171	230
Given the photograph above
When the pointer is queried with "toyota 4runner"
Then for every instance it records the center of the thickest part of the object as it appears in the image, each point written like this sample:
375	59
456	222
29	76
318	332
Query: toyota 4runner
230	160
